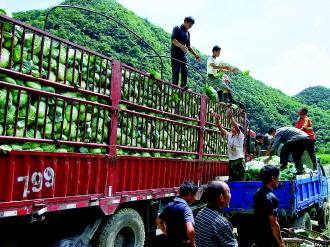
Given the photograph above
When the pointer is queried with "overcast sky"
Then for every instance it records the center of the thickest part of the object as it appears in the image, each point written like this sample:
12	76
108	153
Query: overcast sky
286	44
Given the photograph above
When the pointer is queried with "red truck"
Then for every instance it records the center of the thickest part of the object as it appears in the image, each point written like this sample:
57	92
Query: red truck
80	130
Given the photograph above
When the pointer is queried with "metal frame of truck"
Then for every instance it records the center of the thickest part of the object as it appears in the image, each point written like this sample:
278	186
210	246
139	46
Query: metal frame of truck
36	183
301	200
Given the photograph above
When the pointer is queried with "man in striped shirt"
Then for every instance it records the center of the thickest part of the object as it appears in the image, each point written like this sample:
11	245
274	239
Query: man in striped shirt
212	229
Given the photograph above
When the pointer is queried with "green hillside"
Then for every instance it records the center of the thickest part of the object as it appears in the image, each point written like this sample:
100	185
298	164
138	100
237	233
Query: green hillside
266	106
318	96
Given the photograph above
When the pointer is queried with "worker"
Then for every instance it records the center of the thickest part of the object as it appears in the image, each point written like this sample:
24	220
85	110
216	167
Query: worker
176	221
235	140
269	139
220	82
305	124
295	142
180	47
212	227
267	228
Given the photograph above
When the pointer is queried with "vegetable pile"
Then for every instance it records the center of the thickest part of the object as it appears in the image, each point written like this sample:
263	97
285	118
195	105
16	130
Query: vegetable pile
51	118
28	114
150	92
252	169
82	116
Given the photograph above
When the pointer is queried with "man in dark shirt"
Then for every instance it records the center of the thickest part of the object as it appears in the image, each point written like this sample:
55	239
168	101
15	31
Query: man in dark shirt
176	221
295	142
267	228
180	46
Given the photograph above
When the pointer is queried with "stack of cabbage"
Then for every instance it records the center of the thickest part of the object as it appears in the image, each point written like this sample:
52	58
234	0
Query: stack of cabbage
253	168
149	92
48	59
146	132
91	126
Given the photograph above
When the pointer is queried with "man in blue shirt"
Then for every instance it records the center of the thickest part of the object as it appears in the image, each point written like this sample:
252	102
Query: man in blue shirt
176	220
180	46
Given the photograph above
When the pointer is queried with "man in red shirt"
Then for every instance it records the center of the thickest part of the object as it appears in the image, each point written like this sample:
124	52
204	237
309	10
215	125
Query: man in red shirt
306	125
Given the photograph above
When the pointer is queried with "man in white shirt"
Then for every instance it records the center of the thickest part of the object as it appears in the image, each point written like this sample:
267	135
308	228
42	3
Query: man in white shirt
235	142
216	80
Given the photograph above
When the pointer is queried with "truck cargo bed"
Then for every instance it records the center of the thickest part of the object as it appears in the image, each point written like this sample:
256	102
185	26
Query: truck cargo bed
294	196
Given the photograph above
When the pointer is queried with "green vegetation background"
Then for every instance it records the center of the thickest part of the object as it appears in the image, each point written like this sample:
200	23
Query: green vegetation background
266	106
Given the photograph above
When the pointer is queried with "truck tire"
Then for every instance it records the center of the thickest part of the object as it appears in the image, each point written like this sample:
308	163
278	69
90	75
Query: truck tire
124	229
303	221
324	216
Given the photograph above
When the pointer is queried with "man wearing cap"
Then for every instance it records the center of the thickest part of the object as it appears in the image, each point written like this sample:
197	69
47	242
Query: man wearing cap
235	140
180	47
221	85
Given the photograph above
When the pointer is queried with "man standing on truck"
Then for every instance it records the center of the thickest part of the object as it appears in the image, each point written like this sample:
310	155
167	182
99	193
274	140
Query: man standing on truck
295	142
235	140
269	139
212	228
180	46
267	228
305	124
218	81
176	221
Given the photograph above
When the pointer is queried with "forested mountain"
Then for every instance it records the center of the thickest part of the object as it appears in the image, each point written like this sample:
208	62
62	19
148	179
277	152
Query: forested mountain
318	96
266	106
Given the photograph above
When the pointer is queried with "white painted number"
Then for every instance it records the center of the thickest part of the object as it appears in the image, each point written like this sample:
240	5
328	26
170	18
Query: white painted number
38	180
24	179
49	176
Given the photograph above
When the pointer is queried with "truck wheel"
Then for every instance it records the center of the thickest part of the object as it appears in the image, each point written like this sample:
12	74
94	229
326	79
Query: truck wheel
304	221
324	216
124	229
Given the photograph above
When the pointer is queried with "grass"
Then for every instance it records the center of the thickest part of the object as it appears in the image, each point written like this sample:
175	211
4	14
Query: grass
325	159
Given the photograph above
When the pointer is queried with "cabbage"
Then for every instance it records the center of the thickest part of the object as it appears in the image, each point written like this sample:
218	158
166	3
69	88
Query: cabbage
30	145
83	150
4	58
17	53
3	98
252	169
8	42
8	79
68	113
210	92
33	84
11	114
42	109
48	147
31	114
